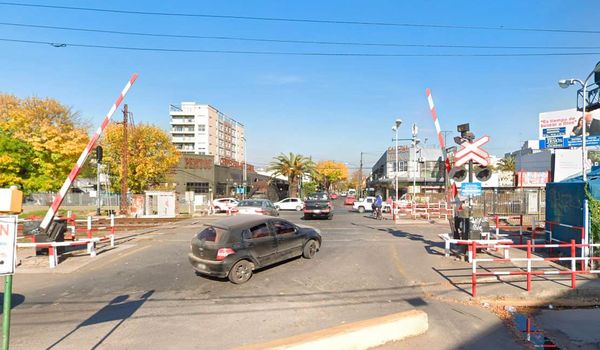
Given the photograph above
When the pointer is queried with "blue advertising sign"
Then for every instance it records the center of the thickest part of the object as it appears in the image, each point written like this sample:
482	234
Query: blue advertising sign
470	189
566	142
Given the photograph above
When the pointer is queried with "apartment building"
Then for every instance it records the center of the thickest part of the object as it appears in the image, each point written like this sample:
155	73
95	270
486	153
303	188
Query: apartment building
204	130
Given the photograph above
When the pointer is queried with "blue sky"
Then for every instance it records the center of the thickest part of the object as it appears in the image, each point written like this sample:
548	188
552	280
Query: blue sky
326	107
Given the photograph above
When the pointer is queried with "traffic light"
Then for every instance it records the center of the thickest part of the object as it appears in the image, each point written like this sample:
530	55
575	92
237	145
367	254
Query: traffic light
482	173
458	174
98	154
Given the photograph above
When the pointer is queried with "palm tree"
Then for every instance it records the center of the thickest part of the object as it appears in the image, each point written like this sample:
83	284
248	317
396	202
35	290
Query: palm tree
507	164
292	166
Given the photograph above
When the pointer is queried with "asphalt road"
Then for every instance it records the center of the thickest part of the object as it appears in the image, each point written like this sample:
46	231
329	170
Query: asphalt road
146	295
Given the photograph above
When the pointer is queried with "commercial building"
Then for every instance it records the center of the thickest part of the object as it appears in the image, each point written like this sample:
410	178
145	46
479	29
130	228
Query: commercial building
203	130
421	165
199	177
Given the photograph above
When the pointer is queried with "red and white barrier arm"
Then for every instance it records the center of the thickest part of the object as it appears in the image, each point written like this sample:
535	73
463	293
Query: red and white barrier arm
77	168
438	129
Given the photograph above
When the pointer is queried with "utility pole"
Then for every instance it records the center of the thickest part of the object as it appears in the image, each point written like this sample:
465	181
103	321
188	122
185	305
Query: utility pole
360	175
124	166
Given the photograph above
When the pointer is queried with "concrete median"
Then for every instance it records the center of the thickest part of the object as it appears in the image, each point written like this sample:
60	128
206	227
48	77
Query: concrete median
356	336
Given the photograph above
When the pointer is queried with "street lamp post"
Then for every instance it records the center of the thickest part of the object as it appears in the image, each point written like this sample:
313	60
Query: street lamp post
565	83
244	171
415	131
395	128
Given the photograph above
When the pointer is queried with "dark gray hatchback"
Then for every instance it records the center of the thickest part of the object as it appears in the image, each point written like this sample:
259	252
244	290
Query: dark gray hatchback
236	246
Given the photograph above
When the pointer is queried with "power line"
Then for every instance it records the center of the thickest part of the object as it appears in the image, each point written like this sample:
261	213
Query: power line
292	53
302	20
290	41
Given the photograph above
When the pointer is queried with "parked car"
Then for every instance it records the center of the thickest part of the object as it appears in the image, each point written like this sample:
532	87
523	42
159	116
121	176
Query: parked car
333	196
224	204
256	206
366	204
290	204
349	200
236	246
318	205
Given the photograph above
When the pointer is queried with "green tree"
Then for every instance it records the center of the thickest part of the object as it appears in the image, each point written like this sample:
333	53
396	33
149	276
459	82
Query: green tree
293	166
16	162
507	164
51	131
150	156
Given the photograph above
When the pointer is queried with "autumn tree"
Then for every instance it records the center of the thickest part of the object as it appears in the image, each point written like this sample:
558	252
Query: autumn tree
150	156
41	141
355	180
329	173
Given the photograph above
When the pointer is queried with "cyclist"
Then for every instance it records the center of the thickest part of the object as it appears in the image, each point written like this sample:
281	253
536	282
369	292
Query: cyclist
377	205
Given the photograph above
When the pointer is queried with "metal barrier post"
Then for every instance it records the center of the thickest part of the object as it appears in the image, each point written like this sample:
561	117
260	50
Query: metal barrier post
92	248
573	264
89	227
497	226
529	266
583	259
472	247
521	229
52	256
112	230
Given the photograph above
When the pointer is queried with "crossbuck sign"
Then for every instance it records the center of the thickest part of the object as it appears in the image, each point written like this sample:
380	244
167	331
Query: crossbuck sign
472	151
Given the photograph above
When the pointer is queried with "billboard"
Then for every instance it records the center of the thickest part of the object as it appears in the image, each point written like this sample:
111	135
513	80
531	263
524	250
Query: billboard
563	129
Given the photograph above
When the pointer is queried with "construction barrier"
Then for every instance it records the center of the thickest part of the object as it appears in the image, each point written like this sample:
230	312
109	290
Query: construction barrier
53	252
529	272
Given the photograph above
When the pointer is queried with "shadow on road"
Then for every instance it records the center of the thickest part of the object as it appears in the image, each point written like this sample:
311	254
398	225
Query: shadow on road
16	300
118	309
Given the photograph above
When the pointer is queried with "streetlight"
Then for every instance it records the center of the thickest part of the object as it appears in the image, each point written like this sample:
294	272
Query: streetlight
244	171
415	131
565	83
395	129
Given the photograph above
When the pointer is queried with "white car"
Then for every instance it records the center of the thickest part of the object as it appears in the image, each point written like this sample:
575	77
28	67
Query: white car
366	204
224	204
290	204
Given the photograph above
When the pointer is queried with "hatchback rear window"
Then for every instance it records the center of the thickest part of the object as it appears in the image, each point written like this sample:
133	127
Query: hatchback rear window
210	234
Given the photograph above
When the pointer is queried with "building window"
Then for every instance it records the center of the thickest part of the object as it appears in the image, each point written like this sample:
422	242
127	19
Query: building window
197	187
201	127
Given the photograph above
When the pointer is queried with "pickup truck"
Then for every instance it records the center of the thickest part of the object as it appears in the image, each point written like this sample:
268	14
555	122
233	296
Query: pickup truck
318	204
366	204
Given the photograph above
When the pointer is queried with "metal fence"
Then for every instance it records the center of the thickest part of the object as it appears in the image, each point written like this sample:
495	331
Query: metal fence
74	199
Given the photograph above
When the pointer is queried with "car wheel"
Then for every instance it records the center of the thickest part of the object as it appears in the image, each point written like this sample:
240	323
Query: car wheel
306	217
241	272
277	207
310	249
361	209
298	208
330	217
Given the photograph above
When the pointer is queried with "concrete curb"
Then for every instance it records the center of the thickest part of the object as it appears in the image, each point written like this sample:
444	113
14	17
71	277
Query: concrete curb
356	336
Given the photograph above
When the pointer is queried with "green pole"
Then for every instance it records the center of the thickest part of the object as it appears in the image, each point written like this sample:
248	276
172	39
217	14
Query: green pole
6	317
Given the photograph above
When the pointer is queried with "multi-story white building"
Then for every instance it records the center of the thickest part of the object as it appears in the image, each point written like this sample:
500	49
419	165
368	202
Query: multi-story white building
202	129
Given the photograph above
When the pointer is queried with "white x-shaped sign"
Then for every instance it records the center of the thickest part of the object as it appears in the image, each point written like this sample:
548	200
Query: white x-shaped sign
472	151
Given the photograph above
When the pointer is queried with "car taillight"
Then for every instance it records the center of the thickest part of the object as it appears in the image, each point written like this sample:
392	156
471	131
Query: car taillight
223	252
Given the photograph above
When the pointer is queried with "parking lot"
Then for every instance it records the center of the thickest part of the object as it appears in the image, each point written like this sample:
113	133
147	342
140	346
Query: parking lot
145	293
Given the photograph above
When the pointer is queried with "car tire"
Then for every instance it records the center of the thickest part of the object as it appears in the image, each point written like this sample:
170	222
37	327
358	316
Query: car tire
298	208
241	272
361	209
310	249
306	217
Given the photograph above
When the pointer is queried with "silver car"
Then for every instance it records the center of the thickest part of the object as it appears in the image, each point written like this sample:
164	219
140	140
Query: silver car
256	207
